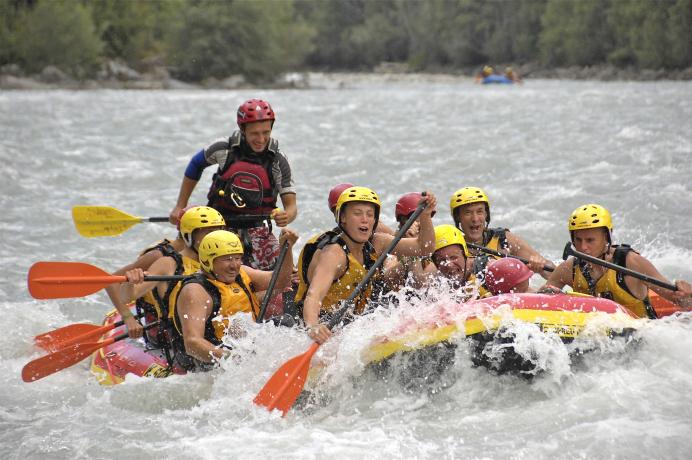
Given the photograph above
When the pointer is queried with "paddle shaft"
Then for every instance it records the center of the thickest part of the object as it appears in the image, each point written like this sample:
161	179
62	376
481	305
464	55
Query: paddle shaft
347	304
104	279
156	219
546	267
125	335
272	281
569	251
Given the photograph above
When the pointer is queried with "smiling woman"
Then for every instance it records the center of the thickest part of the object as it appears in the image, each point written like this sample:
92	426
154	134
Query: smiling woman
206	302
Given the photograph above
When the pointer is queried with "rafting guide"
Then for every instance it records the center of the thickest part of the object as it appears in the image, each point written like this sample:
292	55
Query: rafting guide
252	173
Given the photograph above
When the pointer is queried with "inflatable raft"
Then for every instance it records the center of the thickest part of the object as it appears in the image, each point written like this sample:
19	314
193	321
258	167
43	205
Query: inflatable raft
112	363
496	80
564	315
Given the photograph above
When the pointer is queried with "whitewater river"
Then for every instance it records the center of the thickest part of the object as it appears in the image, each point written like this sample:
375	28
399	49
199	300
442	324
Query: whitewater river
539	151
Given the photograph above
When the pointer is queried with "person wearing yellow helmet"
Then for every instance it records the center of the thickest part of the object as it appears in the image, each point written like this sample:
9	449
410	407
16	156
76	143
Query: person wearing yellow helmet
206	302
154	297
470	208
486	71
591	227
512	74
451	257
340	262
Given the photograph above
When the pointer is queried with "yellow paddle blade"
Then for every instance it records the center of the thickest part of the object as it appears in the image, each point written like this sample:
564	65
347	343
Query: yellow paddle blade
94	221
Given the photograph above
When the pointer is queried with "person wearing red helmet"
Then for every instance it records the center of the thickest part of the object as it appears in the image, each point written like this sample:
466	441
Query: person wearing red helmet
252	174
507	275
397	269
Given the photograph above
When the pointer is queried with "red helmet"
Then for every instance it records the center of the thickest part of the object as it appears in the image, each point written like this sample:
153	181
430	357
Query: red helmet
334	194
505	274
406	205
254	110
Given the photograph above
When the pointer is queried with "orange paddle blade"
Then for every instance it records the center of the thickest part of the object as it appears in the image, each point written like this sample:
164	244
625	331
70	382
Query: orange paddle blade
283	388
57	280
663	306
70	335
61	359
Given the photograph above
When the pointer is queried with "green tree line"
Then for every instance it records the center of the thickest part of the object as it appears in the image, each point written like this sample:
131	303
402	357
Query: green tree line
260	39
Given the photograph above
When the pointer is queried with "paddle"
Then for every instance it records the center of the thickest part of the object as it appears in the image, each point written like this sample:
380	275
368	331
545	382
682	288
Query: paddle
546	267
283	388
66	357
73	333
59	280
272	281
569	251
94	221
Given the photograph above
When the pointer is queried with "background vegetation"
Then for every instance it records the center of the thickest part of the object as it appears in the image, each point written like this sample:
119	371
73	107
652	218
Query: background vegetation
260	39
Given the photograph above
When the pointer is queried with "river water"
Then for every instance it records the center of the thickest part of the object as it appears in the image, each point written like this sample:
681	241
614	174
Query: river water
539	151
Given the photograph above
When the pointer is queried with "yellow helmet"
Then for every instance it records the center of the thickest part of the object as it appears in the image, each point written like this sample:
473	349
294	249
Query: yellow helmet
199	217
487	70
469	195
362	194
590	216
216	244
448	235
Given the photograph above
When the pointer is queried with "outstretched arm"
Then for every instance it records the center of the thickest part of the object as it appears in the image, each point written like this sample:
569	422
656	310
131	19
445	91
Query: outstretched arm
681	297
520	248
560	277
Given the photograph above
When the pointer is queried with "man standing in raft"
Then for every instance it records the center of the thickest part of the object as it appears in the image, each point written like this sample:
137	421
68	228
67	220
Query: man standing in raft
590	227
471	213
252	174
225	287
337	266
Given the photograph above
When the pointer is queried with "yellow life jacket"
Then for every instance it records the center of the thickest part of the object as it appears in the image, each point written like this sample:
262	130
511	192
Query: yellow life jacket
343	286
227	300
495	239
188	266
150	303
308	252
611	285
477	278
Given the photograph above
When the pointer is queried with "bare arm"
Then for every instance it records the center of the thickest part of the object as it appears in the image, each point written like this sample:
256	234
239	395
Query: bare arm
136	287
134	328
562	276
327	265
636	262
186	189
520	248
194	308
422	245
289	212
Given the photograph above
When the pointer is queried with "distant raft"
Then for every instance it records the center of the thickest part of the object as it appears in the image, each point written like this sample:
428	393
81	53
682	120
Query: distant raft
497	80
